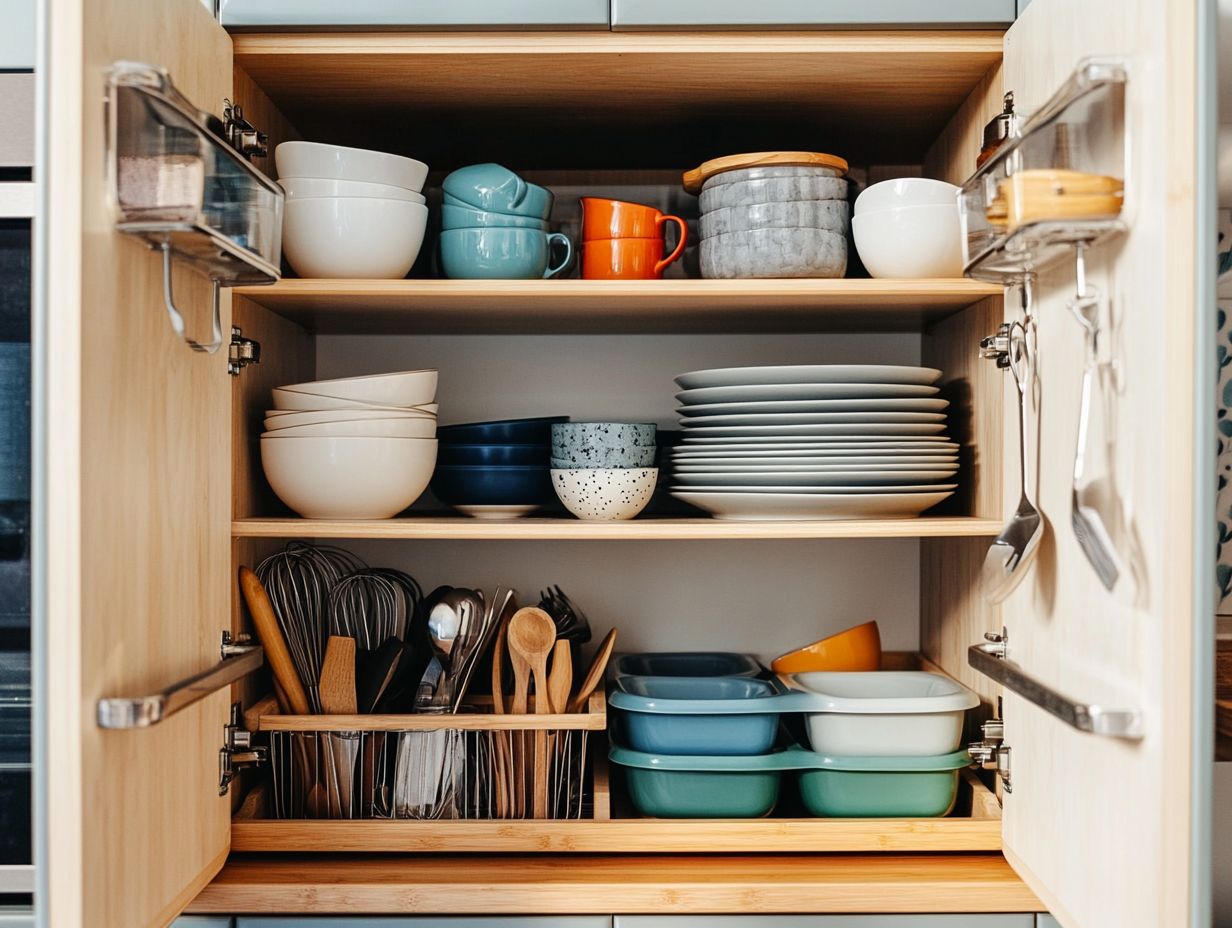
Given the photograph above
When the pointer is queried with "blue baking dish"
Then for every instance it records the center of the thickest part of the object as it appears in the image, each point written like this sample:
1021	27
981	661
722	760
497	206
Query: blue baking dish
687	664
695	715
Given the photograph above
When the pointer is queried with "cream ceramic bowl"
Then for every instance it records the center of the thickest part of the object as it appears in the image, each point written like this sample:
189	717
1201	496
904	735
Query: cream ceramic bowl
348	478
605	494
362	428
905	191
401	388
912	241
314	159
352	237
300	187
292	400
291	420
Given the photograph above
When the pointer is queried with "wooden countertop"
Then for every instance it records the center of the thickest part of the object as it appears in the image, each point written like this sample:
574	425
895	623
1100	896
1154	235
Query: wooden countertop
576	884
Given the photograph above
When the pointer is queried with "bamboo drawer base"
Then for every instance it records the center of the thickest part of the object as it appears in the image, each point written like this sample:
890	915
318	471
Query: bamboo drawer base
975	825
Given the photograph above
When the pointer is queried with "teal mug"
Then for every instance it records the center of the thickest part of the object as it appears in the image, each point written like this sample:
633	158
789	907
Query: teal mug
464	217
501	253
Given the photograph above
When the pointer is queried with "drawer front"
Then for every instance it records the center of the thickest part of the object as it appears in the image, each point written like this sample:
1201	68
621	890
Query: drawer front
203	921
17	117
17	36
578	14
1024	920
736	14
588	921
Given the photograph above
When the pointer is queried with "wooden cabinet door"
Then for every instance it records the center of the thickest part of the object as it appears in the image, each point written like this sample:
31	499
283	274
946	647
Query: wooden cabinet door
135	482
1107	831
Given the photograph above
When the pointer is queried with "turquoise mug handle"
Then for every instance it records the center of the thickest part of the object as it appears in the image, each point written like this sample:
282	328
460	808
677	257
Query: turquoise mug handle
564	265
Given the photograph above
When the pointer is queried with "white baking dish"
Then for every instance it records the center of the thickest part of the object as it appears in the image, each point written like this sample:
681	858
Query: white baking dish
883	714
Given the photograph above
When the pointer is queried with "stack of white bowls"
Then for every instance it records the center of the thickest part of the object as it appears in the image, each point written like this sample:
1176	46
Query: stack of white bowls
355	448
909	227
350	212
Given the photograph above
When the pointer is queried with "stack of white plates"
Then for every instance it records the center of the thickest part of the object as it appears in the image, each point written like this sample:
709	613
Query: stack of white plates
356	448
830	441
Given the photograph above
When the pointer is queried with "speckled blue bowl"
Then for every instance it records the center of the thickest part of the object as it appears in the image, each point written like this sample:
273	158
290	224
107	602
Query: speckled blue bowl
609	445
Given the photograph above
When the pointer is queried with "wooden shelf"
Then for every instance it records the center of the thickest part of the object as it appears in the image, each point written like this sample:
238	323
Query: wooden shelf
666	99
455	528
547	884
566	307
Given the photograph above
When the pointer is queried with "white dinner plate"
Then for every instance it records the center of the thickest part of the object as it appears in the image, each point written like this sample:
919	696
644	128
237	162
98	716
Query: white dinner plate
892	473
815	459
876	444
897	430
762	392
809	373
815	487
801	507
744	479
809	418
814	406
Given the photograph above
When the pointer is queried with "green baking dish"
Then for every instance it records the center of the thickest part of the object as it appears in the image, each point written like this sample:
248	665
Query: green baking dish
883	787
677	786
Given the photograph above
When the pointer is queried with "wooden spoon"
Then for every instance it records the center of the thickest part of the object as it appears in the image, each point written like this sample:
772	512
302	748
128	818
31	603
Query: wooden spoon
337	685
594	676
532	634
560	679
276	653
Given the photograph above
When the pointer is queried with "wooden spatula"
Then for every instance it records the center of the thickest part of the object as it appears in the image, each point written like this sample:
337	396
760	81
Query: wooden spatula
276	653
337	685
560	677
594	676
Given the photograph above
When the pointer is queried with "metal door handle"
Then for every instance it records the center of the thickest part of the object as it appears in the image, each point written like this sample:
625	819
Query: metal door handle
238	660
990	660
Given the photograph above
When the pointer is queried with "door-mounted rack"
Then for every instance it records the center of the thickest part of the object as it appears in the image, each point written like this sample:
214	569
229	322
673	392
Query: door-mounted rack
179	185
1058	185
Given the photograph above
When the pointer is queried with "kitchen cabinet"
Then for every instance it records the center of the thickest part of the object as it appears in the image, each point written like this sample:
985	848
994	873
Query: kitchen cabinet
802	14
158	495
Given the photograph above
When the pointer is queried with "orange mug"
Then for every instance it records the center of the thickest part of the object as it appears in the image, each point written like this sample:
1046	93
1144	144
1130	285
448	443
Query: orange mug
606	219
627	258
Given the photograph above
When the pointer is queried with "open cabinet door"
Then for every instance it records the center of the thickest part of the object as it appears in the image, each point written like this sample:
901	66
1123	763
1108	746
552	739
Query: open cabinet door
1104	828
136	477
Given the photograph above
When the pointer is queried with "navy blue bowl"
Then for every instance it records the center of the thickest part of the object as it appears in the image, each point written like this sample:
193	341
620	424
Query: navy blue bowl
493	454
493	486
504	432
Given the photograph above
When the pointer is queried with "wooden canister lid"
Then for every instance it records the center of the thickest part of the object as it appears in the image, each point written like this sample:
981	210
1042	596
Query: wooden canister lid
694	179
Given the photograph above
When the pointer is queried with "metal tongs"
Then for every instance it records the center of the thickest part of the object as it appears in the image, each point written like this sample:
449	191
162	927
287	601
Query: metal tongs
1089	526
1013	550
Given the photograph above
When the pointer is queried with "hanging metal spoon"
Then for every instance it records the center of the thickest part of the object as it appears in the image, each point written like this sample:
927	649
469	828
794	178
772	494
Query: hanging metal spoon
1012	551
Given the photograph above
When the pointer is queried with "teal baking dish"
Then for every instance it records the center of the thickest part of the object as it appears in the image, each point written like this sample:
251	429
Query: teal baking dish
695	715
674	786
687	664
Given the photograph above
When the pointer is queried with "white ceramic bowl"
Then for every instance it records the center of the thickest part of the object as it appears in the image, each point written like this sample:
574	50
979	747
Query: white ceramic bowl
401	388
914	241
291	419
300	187
286	400
348	478
407	426
314	159
353	237
905	191
358	428
605	494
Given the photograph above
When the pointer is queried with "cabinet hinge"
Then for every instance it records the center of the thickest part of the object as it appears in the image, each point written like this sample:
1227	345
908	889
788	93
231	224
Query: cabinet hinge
237	751
244	137
996	347
242	352
993	753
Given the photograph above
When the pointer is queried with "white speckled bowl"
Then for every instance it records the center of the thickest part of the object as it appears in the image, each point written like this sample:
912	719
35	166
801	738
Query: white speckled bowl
774	253
605	495
831	215
716	195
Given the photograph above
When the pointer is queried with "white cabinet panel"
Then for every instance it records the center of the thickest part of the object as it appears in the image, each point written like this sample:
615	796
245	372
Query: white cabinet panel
736	14
17	36
539	14
1024	920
